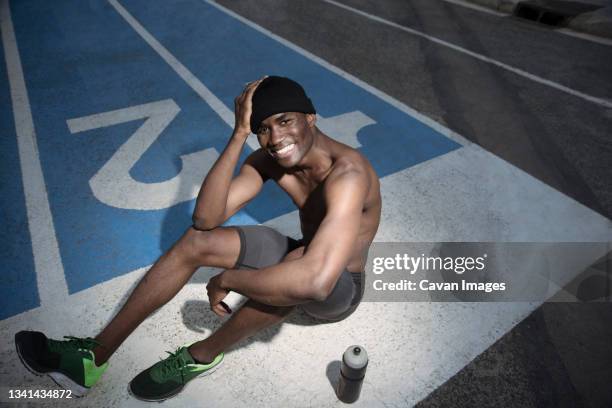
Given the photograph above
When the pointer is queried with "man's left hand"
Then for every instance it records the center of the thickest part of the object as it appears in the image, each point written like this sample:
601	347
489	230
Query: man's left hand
216	294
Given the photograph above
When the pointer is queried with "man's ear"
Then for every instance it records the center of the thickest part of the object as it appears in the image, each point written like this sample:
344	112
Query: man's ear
311	119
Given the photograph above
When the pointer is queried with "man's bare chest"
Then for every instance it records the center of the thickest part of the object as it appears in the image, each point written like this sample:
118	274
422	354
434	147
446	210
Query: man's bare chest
309	198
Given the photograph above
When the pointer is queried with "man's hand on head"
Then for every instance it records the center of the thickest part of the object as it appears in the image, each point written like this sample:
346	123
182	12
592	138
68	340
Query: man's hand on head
243	107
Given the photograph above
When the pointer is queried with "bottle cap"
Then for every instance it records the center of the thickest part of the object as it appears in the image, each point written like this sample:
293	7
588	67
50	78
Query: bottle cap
355	362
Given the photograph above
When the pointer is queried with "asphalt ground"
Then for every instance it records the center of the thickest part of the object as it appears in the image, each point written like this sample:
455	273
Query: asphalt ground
561	355
560	139
528	98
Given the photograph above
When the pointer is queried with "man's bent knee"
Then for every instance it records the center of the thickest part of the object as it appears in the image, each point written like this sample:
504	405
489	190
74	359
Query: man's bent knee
218	247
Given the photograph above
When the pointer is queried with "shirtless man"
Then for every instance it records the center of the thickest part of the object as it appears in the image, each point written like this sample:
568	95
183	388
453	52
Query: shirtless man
338	196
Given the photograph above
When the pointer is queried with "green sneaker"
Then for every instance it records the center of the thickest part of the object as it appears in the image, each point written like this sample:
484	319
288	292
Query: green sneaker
70	363
168	377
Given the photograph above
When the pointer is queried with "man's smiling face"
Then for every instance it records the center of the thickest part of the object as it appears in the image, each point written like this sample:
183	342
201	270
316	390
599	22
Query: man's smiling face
287	136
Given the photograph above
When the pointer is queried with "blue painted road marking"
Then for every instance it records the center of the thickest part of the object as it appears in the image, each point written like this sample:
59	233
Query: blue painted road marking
83	59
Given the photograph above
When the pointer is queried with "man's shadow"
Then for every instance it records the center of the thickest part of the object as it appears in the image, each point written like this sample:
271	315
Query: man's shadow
198	317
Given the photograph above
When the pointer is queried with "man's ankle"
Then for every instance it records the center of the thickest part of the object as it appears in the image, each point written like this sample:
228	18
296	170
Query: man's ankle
101	355
200	358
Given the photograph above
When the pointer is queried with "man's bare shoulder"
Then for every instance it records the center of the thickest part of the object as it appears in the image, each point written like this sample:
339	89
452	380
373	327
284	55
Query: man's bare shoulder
350	168
351	163
346	155
352	172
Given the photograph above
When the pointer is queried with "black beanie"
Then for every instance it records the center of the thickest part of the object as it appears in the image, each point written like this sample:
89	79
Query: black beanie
275	95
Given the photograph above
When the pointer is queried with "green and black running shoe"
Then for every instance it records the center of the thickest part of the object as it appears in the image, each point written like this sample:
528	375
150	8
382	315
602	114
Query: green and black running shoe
168	377
70	363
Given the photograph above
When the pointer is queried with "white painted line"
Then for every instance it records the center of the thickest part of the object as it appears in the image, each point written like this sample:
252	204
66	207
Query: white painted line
517	71
584	36
198	87
51	282
476	7
387	98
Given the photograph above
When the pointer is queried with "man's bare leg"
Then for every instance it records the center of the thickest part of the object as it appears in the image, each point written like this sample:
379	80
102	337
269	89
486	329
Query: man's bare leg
219	248
248	320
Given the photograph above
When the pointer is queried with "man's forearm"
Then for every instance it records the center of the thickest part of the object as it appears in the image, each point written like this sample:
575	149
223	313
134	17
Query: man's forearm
212	198
284	284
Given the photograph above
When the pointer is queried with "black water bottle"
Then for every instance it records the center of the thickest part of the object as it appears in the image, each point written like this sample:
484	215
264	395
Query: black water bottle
352	372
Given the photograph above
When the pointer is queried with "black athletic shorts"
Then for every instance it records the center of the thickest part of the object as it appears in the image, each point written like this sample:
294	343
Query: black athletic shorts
262	246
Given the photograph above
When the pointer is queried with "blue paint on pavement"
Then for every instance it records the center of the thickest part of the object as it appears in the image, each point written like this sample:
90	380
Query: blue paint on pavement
82	58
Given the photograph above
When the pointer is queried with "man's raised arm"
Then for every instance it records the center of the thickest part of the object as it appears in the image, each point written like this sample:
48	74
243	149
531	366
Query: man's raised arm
221	196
